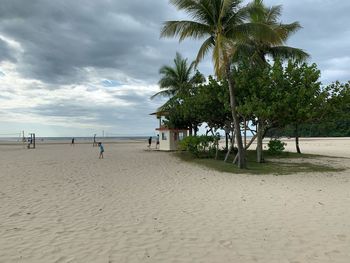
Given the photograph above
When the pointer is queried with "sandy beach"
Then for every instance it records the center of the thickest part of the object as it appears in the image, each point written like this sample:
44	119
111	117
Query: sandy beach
60	203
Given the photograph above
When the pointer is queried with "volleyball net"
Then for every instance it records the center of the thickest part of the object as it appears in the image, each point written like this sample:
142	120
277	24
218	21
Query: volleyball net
15	138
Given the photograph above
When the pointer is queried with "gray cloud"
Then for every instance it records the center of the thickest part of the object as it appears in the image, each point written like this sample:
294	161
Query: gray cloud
116	120
60	38
6	53
325	34
106	44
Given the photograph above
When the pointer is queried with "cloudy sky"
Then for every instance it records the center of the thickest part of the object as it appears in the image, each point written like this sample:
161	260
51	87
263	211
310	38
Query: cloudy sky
75	68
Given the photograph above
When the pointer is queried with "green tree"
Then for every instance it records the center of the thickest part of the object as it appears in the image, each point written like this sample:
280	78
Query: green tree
258	48
200	105
260	96
206	101
223	24
304	97
330	119
337	109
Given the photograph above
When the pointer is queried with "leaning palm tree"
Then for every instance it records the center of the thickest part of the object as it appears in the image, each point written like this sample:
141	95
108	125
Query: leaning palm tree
258	48
179	79
224	25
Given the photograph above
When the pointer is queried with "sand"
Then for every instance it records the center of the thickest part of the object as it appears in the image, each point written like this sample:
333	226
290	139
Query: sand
61	203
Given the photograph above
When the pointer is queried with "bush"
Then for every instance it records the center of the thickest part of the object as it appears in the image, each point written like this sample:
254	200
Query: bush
276	146
199	146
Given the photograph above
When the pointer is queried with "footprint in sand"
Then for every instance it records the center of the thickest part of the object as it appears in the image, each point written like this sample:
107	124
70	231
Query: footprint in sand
15	214
341	237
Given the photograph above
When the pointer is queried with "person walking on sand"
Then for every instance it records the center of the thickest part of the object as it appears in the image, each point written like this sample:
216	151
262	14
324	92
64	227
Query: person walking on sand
94	143
101	150
157	142
149	141
72	144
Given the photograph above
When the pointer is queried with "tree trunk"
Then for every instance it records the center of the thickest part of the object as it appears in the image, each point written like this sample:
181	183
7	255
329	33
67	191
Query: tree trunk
245	133
227	154
246	147
232	141
251	141
217	149
259	147
297	138
241	150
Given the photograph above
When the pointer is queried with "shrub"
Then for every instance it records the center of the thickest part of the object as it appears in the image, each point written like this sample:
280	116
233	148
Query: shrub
199	146
276	146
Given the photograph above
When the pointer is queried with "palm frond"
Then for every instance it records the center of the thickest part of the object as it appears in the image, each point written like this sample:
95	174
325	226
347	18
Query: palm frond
204	49
200	11
177	79
286	30
185	29
257	31
285	52
162	93
183	4
273	13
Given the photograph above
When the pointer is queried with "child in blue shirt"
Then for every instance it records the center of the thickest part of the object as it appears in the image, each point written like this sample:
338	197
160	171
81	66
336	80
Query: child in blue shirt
101	150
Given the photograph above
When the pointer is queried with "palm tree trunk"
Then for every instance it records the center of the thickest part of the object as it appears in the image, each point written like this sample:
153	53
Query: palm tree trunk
241	150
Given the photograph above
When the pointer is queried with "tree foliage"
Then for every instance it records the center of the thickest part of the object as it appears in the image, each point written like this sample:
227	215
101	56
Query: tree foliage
283	95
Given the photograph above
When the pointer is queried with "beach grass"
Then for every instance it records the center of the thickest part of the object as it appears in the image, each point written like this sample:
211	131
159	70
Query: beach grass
277	164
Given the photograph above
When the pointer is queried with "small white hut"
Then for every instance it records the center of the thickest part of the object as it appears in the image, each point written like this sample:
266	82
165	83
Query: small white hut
169	138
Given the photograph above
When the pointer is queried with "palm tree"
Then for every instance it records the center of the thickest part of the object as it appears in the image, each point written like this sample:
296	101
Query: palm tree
258	48
224	25
179	79
177	83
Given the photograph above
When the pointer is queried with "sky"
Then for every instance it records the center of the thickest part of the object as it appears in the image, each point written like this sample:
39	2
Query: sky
76	68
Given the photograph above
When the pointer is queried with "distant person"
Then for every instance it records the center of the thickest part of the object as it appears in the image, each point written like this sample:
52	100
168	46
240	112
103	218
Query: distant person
72	142
94	144
157	142
30	141
149	142
101	150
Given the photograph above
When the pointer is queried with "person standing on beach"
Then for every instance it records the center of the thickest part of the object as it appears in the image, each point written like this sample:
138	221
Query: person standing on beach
72	142
157	142
101	150
149	141
94	143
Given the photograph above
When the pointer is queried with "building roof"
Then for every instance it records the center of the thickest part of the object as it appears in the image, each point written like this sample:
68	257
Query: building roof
170	129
